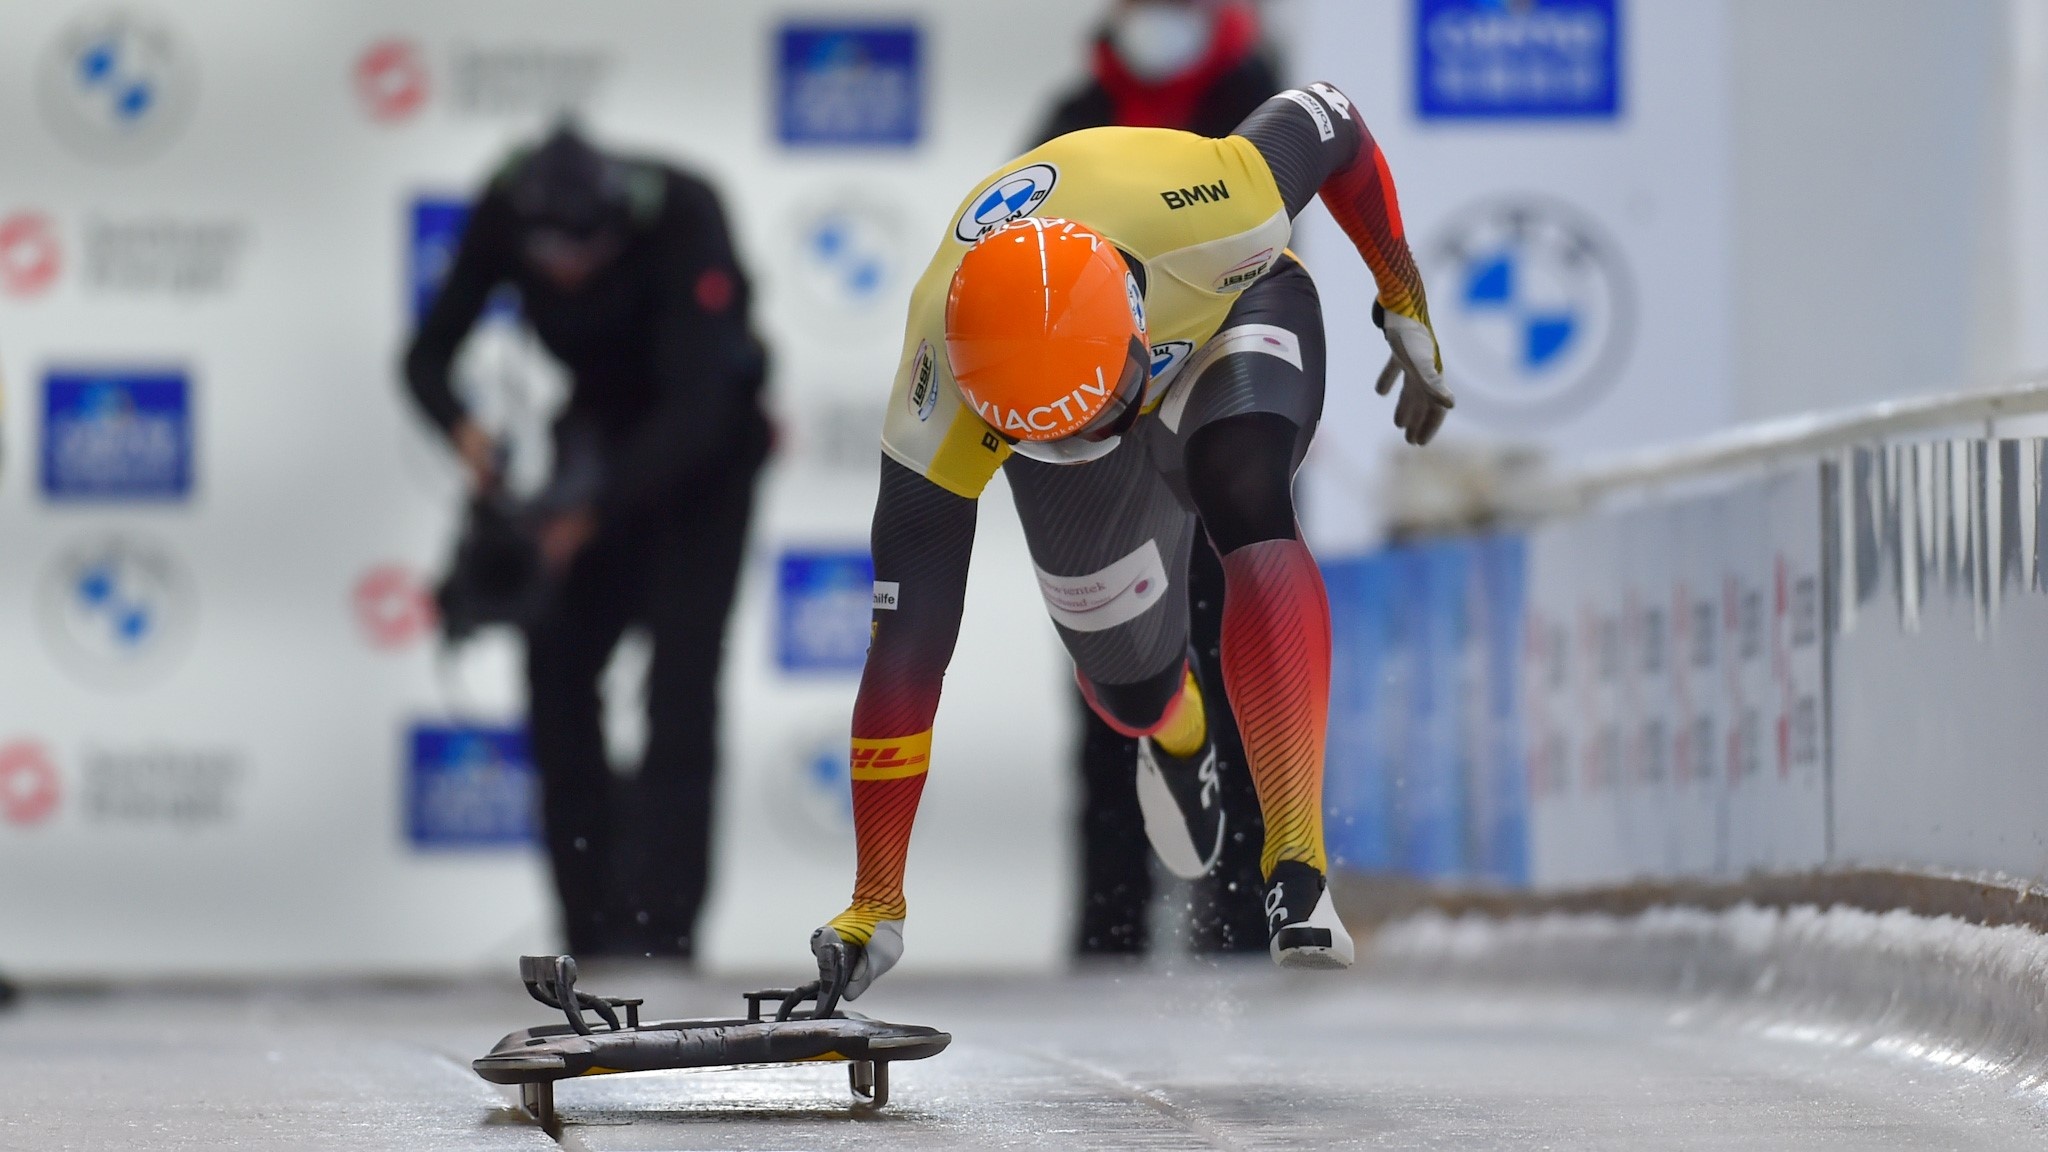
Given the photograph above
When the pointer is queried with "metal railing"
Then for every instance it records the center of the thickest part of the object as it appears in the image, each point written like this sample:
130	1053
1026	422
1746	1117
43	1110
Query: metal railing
1765	442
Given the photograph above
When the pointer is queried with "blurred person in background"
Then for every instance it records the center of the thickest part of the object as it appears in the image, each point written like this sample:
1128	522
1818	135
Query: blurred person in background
1030	347
626	273
7	990
1197	65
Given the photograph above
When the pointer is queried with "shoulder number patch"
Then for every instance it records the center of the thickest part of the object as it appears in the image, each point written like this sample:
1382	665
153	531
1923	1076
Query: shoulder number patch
1338	102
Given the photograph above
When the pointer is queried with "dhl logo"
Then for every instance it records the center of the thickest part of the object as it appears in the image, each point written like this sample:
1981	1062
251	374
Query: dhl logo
892	758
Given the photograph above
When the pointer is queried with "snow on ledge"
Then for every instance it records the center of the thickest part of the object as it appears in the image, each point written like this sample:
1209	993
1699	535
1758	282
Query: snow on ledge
1930	988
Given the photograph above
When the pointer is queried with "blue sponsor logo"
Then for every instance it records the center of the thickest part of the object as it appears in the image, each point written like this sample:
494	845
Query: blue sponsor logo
437	224
823	607
117	434
117	611
850	84
469	786
1518	59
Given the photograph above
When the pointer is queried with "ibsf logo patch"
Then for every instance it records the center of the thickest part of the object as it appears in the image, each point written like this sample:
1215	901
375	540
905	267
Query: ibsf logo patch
117	435
1011	196
116	85
924	381
1240	275
118	611
1537	310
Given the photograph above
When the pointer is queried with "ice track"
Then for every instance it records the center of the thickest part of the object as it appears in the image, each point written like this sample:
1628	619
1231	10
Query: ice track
1233	1057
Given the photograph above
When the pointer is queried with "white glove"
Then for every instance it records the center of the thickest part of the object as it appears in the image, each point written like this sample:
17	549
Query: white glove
880	954
1424	399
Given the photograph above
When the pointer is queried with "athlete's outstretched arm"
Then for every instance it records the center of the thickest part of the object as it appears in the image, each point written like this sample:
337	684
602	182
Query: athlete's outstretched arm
1317	144
923	539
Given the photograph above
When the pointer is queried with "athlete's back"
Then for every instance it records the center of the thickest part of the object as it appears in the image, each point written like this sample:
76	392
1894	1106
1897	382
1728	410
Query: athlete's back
1203	218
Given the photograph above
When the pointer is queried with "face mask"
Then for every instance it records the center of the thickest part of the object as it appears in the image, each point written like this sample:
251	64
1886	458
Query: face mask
1158	41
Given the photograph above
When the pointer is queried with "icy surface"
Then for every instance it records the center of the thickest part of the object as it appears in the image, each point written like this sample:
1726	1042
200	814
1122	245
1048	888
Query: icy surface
1936	989
1237	1057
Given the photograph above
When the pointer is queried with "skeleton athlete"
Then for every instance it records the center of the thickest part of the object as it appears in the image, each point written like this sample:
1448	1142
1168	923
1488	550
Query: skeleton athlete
1115	320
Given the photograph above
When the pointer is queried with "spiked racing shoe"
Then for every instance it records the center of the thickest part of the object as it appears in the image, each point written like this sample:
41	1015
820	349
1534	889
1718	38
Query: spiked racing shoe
1303	930
851	967
1182	800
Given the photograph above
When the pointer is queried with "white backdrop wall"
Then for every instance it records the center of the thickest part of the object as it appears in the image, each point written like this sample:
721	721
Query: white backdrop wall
233	799
1616	223
2027	197
1872	231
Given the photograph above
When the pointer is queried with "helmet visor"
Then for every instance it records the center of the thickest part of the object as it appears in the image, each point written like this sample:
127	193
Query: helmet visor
1100	436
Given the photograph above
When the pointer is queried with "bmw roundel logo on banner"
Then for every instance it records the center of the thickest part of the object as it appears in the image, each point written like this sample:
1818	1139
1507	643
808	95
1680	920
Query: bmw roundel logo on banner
117	611
1013	195
1534	308
846	253
116	84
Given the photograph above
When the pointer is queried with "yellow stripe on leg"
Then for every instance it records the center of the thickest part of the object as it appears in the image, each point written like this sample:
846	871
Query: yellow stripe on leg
893	758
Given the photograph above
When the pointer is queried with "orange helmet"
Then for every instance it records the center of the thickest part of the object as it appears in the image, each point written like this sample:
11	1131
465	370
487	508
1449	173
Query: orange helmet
1045	330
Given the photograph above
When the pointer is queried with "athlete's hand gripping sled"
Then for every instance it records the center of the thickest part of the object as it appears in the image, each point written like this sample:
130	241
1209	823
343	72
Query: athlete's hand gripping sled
534	1058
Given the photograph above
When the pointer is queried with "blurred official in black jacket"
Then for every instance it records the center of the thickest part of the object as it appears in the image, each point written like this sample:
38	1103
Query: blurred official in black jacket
1195	65
626	272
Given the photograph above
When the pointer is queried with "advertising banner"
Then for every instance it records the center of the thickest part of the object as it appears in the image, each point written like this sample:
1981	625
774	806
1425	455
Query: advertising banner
1425	762
1604	698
